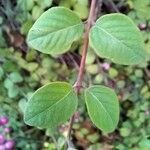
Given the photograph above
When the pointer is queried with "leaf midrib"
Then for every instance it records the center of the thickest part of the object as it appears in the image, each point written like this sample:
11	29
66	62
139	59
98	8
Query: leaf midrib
122	43
114	37
102	106
49	108
48	33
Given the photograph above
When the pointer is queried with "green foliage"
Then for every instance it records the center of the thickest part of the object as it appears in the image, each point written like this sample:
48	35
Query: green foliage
115	36
44	3
78	6
55	31
103	107
53	34
112	73
144	144
140	8
1	73
10	84
15	77
141	16
34	69
51	105
2	40
36	12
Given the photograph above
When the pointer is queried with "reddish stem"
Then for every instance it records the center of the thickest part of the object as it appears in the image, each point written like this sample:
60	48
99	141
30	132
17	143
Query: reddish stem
90	20
78	83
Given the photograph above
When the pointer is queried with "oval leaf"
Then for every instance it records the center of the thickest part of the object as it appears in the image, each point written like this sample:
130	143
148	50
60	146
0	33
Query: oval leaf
55	31
103	107
51	105
116	37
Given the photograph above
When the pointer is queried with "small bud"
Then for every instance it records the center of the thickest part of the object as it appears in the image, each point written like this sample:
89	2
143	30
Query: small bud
9	145
3	120
106	66
142	26
7	130
2	139
2	147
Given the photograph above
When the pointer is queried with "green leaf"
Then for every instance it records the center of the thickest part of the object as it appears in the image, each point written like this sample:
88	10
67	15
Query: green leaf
8	83
145	144
29	5
26	27
116	37
36	12
22	104
44	3
81	8
13	91
103	107
124	132
55	31
15	77
1	72
51	105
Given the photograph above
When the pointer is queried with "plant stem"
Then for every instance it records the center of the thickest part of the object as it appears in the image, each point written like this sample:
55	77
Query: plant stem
69	129
78	83
55	142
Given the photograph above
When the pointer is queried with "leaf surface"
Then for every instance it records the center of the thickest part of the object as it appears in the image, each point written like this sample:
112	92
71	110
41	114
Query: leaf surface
103	107
55	31
116	37
51	105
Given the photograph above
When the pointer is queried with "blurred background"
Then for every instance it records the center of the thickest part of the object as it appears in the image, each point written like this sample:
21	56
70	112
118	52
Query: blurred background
23	70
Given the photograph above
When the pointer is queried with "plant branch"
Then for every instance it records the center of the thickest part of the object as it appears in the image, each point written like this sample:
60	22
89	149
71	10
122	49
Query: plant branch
69	129
78	83
90	20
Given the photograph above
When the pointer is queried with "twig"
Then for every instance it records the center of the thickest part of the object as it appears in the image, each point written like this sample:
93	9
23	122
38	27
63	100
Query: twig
55	142
69	130
78	83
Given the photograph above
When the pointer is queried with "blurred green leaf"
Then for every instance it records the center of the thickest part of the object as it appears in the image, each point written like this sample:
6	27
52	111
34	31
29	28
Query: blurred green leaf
144	144
15	77
1	72
26	27
44	3
113	72
22	104
13	91
36	12
125	132
93	138
8	83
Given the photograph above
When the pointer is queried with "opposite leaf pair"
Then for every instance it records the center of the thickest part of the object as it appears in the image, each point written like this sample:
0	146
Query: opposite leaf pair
114	36
55	103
